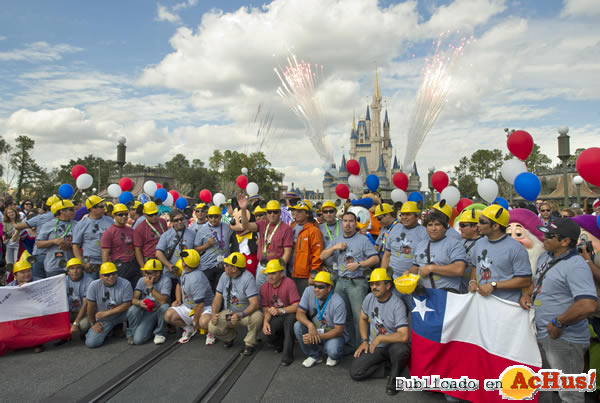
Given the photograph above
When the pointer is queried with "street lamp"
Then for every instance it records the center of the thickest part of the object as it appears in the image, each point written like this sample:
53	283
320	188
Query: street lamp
429	175
121	151
510	190
578	180
564	154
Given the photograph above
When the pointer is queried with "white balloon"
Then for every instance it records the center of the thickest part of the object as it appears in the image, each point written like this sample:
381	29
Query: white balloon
353	196
451	194
219	198
399	195
244	171
84	181
114	190
169	201
355	181
150	188
488	190
511	169
251	189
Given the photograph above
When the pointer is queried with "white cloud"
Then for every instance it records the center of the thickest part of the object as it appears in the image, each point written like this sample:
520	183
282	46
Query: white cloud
581	8
163	14
2	38
39	51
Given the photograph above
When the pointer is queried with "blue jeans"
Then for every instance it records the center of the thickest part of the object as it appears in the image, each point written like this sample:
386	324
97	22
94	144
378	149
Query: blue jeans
334	348
38	267
353	292
143	324
93	339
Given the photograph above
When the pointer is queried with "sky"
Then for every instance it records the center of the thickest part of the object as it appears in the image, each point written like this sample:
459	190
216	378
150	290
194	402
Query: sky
191	76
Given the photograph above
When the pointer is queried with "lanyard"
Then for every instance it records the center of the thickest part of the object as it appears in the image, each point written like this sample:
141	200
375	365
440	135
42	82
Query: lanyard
337	230
268	239
468	248
321	311
66	229
215	235
154	229
387	232
540	279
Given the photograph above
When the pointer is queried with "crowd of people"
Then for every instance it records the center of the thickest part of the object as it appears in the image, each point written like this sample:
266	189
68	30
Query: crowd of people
292	272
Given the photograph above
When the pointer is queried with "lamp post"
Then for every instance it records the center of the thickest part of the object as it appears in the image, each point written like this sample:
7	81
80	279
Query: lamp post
429	175
510	189
121	151
564	154
578	180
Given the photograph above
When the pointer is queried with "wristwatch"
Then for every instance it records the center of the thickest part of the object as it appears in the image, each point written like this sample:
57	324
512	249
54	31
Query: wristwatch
494	284
75	324
282	311
558	323
365	341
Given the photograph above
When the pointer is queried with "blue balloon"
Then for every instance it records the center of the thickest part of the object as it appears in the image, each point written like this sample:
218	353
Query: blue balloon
181	203
143	198
528	186
372	182
415	197
501	201
65	191
598	221
125	197
161	194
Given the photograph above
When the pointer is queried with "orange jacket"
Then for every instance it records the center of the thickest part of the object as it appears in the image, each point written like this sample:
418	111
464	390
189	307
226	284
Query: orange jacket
307	250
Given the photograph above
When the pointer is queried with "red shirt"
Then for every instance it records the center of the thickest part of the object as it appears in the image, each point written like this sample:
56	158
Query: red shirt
282	238
284	295
120	242
146	237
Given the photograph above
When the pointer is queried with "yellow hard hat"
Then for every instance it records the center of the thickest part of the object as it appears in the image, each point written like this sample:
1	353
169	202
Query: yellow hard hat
191	258
236	259
152	265
329	204
199	206
21	265
214	210
383	209
303	205
108	267
92	201
150	208
496	213
410	207
51	200
274	265
273	205
443	208
120	208
136	204
323	277
406	284
470	215
379	274
259	210
108	207
179	266
73	262
59	205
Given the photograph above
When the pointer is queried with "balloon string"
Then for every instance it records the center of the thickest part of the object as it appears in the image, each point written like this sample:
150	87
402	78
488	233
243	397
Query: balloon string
74	194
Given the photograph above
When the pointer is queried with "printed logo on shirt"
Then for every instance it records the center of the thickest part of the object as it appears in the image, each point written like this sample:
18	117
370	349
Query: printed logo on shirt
485	265
377	323
276	302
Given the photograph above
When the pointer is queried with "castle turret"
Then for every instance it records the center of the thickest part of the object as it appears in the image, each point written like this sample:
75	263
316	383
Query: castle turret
343	172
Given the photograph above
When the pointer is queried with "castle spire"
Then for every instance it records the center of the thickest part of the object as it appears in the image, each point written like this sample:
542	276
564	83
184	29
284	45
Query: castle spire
376	94
354	120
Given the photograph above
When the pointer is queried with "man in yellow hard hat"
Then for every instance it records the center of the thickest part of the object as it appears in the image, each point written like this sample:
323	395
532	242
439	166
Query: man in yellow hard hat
445	209
77	286
260	213
117	245
55	237
108	298
321	319
22	273
279	299
383	332
387	218
136	213
330	228
308	245
147	234
201	217
469	231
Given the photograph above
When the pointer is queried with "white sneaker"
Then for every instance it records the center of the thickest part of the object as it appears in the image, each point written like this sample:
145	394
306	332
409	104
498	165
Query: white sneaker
188	333
310	362
331	362
159	339
210	339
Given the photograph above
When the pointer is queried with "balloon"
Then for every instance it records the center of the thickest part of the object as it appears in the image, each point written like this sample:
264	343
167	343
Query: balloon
520	144
143	198
353	196
114	190
342	191
205	195
125	183
372	182
488	190
245	171
588	165
511	168
476	206
463	203
251	189
598	221
501	201
399	195
174	194
400	180
158	185
415	196
242	182
169	201
84	181
65	191
528	186
161	194
77	170
181	203
219	198
451	194
440	180
355	181
126	197
353	167
150	187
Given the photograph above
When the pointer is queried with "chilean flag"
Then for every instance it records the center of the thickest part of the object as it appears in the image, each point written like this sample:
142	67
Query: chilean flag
33	314
456	335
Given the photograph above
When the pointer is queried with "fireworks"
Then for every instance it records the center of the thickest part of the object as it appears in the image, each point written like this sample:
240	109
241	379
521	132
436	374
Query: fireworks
298	85
432	95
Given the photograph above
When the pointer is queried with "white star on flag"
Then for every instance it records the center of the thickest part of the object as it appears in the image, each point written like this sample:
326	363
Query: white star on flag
421	307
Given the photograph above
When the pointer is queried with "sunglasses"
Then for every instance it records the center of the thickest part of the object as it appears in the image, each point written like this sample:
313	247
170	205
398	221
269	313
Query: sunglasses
121	214
273	212
467	224
69	209
484	222
98	206
178	220
328	211
114	273
214	216
545	211
200	211
28	204
321	286
259	215
319	215
565	216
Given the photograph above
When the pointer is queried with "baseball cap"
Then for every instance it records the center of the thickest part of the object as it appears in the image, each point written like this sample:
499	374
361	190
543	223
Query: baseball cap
563	227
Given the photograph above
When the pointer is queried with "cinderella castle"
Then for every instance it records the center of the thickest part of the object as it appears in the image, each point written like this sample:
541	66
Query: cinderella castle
373	150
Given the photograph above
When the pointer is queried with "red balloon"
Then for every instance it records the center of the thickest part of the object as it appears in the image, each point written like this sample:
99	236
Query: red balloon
242	182
400	179
158	185
439	181
175	195
77	170
342	191
462	203
520	144
353	167
205	195
588	165
125	183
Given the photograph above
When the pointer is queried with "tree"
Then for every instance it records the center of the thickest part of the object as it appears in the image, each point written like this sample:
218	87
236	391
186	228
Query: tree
537	162
4	149
486	163
22	162
100	169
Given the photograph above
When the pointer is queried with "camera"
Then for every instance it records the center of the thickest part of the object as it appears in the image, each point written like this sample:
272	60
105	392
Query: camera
587	245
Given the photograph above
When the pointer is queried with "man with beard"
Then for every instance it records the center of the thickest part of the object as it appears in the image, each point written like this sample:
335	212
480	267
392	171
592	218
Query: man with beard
55	237
117	245
147	234
212	242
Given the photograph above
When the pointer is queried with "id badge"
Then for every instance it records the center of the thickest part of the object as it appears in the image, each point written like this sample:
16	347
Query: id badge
220	258
321	330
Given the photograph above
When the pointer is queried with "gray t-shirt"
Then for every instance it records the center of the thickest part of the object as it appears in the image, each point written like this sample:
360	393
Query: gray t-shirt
443	252
52	230
138	221
469	244
109	297
222	234
196	227
243	287
76	292
328	236
172	239
195	288
334	313
88	234
501	260
402	243
452	233
37	222
384	317
163	286
358	249
567	281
